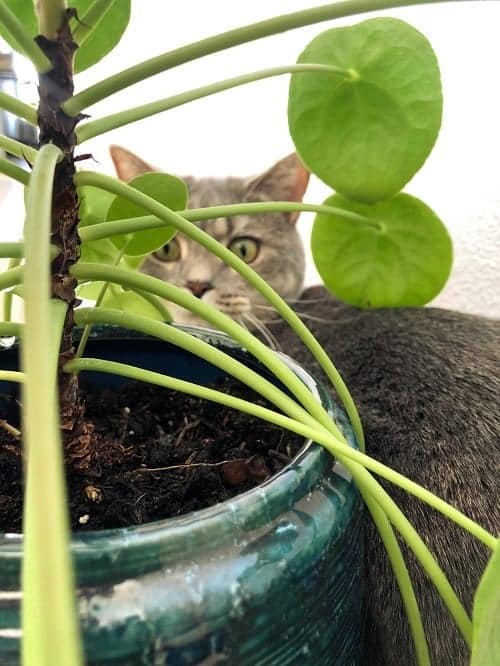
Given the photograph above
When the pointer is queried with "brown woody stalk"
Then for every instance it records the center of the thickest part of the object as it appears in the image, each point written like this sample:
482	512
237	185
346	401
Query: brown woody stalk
55	87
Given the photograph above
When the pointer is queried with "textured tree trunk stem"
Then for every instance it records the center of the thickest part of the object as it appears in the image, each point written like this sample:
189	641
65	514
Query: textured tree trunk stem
56	127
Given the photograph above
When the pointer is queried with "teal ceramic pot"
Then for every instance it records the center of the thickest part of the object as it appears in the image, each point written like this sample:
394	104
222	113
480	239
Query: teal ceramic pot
273	576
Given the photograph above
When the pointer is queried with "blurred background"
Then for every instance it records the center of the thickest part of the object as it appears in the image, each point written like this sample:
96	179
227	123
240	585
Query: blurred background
244	131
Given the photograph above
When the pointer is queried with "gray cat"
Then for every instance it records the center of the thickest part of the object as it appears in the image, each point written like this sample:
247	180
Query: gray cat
426	382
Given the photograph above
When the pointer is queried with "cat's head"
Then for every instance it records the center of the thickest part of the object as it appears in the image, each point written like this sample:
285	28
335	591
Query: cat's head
269	243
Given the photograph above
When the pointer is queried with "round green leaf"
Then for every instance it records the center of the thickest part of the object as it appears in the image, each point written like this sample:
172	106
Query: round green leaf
94	205
401	256
169	191
367	133
105	35
99	41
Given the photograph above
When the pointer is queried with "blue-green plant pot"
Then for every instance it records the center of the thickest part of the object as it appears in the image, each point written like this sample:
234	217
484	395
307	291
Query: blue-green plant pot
273	576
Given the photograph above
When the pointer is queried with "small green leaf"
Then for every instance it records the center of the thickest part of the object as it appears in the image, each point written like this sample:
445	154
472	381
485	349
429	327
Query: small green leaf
486	614
106	34
169	191
94	205
100	41
118	298
402	258
367	135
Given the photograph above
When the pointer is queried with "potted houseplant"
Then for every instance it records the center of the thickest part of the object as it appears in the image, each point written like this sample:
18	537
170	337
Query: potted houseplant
52	270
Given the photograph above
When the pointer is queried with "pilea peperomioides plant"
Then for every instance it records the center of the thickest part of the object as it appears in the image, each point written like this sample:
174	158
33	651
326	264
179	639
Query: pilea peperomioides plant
364	113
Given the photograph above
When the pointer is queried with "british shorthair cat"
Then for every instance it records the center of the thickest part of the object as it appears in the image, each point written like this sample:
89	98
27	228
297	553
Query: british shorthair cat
426	382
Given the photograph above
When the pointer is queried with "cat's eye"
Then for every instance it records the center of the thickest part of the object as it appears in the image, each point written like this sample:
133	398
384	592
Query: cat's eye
246	248
171	251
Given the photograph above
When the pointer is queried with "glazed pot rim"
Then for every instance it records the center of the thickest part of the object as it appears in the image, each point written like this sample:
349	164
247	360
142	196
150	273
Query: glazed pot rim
250	508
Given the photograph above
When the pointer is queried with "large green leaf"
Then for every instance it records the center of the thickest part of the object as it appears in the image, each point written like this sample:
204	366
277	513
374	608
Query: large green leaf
169	191
106	34
402	258
366	134
94	205
486	616
25	13
100	41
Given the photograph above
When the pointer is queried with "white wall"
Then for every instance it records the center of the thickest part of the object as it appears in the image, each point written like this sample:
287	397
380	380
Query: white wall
241	132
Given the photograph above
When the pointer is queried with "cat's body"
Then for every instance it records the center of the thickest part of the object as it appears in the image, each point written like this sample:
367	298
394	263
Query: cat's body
426	382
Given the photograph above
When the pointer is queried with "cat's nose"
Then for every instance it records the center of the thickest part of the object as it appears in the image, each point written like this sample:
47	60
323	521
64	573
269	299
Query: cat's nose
198	288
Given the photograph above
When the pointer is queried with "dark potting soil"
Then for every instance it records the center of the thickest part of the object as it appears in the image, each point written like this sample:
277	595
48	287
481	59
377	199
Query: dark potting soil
155	454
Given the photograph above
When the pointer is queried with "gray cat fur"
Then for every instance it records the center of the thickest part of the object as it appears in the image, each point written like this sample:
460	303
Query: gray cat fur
426	383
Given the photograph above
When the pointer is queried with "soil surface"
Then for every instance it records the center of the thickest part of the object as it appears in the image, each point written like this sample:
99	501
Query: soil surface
157	454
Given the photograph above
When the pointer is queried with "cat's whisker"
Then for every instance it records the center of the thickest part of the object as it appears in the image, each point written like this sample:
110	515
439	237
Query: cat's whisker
263	330
302	315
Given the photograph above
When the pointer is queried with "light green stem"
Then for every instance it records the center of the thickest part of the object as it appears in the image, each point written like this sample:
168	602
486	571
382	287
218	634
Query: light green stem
220	321
154	328
197	234
102	125
16	29
402	576
47	576
12	376
13	171
90	20
129	225
18	108
199	348
361	476
10	329
7	298
50	15
12	250
18	149
224	41
11	278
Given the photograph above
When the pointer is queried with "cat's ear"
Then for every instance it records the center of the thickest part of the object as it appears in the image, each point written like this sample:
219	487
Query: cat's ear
128	165
285	181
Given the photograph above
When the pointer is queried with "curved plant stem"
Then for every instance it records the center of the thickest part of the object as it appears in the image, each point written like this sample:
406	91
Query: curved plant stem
14	250
197	234
90	19
11	278
129	225
7	298
24	39
202	349
47	576
402	576
12	376
223	41
361	476
10	329
18	108
13	171
133	280
85	315
18	149
101	125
